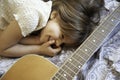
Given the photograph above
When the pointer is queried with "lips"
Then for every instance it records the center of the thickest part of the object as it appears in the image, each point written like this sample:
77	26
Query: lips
53	45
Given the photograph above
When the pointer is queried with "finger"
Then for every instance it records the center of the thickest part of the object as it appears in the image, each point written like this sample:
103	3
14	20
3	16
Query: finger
57	50
50	42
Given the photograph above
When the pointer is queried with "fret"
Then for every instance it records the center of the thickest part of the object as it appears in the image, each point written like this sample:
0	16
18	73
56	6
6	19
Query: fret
66	75
68	71
59	76
81	57
117	13
55	78
72	67
80	62
76	63
88	47
80	53
92	47
100	33
103	31
93	42
86	50
108	26
62	78
115	16
63	75
113	20
78	58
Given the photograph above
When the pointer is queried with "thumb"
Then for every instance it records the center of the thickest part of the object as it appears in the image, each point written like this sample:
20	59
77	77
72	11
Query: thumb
50	42
57	50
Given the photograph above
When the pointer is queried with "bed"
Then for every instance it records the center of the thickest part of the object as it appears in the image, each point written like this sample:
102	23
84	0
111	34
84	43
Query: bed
103	65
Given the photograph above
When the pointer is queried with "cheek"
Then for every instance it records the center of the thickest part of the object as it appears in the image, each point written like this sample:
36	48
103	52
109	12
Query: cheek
44	31
68	41
54	32
43	35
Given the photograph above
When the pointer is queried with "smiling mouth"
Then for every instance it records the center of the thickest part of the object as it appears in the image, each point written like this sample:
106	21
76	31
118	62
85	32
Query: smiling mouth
52	45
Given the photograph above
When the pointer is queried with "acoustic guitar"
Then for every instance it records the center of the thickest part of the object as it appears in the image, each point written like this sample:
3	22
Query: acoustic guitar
35	67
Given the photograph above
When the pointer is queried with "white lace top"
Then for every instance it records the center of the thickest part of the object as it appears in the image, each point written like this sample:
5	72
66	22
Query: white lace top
31	15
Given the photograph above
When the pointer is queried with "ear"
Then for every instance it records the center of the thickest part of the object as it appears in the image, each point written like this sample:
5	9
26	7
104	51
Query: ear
53	15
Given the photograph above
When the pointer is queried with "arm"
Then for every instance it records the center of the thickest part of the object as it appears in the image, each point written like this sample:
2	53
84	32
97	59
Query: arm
30	40
10	36
19	50
28	19
1	32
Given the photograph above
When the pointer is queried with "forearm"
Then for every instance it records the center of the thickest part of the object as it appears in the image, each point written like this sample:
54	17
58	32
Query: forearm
20	50
32	40
1	31
10	36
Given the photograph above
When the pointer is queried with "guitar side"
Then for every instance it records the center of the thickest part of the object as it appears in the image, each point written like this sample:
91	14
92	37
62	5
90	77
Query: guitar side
31	67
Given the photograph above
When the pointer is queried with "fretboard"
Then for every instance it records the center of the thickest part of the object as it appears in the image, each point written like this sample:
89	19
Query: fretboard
82	54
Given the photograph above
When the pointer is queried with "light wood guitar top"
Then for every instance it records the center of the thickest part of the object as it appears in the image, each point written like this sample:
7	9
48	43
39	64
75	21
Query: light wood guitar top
31	67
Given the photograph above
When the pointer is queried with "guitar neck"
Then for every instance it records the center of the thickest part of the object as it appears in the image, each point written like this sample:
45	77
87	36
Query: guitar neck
74	63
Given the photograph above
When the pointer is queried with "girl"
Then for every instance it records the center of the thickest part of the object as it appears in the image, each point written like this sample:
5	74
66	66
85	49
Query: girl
58	22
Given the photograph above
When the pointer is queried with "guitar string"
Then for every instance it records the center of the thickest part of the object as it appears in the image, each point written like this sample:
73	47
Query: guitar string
86	46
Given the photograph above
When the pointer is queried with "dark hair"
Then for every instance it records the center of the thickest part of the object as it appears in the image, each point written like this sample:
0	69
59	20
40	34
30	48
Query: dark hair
77	18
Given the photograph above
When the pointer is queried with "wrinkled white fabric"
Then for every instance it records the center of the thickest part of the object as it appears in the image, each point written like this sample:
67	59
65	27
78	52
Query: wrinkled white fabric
31	15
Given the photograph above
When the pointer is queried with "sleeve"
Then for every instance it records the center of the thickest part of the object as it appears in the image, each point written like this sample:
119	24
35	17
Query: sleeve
27	18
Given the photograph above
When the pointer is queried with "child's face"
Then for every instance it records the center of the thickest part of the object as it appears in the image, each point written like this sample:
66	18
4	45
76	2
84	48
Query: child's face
52	32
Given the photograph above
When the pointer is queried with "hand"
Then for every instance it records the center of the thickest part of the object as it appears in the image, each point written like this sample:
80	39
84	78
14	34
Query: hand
47	49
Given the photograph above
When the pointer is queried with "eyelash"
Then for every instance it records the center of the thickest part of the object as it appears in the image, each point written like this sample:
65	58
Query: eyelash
62	36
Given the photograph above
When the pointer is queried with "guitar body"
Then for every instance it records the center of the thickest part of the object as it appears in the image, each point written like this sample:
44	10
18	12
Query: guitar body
31	67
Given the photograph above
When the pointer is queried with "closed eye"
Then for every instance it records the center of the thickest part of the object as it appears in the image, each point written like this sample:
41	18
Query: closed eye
63	36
